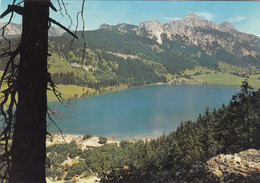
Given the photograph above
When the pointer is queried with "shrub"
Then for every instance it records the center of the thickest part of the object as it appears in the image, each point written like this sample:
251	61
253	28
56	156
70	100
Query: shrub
87	136
102	140
75	169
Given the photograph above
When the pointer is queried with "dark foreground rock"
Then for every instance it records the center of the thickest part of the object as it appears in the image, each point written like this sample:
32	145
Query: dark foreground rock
239	167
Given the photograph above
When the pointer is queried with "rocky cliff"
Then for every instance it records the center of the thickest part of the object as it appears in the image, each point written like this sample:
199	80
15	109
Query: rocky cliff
240	167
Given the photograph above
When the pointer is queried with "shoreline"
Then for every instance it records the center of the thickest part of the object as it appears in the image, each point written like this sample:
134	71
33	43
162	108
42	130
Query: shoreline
68	137
90	142
153	84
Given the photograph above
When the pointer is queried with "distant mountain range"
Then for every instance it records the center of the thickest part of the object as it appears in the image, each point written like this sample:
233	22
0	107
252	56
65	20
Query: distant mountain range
13	30
193	30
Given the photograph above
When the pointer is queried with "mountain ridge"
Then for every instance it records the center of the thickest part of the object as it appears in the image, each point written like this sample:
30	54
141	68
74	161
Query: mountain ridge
196	31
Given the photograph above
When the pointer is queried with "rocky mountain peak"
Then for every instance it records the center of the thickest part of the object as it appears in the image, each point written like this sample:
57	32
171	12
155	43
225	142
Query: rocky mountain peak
226	27
122	27
193	15
126	28
152	24
193	20
172	22
105	26
153	29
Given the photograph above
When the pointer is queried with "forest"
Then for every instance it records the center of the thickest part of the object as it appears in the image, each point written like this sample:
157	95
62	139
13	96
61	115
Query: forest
230	129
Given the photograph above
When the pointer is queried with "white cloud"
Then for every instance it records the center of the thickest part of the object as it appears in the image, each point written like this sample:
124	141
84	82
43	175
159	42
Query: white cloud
250	26
174	18
236	19
206	15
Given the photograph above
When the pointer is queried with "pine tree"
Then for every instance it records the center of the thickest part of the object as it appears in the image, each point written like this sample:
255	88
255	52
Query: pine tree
28	147
29	80
242	102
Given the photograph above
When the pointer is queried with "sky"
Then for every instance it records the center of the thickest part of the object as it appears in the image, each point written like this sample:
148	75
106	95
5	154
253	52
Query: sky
244	15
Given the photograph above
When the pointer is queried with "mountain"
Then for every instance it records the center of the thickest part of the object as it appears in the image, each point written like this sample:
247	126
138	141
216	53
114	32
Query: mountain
194	40
13	30
193	30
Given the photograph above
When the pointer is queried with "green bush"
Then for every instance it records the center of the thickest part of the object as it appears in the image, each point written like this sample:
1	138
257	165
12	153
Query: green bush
77	168
102	140
73	149
87	136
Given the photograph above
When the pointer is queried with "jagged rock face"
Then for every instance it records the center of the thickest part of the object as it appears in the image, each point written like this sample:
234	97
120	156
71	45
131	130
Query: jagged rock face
106	26
191	20
226	27
194	30
16	29
124	28
152	29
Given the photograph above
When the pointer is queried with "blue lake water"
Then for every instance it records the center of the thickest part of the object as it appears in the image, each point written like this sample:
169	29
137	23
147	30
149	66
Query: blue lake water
139	112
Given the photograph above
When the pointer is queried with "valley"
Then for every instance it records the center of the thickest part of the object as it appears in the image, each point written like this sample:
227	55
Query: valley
197	52
191	50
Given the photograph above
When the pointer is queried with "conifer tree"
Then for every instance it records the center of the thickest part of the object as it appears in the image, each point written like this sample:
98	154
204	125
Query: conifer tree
28	79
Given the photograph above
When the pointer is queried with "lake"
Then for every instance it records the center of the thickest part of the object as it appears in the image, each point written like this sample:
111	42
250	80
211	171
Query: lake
139	112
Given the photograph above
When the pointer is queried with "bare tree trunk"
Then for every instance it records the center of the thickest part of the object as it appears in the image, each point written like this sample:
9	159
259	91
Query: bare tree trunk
28	148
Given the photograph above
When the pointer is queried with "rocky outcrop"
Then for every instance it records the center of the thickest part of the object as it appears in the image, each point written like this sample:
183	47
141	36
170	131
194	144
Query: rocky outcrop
237	167
152	29
240	167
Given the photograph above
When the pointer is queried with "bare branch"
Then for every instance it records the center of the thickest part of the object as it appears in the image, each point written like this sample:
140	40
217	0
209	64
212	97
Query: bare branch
76	29
12	8
60	8
83	30
66	12
13	55
53	88
61	132
53	7
3	28
61	26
